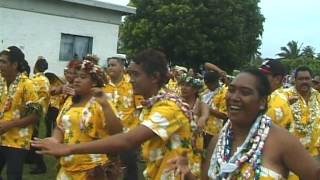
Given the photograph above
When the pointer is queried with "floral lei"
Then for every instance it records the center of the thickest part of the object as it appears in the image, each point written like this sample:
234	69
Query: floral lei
9	93
168	96
224	166
305	128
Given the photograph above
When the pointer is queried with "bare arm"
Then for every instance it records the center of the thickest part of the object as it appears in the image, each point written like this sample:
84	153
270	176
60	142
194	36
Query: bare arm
204	115
114	124
57	134
218	114
119	142
298	160
207	160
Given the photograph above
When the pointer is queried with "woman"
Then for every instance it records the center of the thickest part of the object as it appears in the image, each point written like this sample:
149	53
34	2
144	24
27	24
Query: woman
249	146
190	87
164	128
85	116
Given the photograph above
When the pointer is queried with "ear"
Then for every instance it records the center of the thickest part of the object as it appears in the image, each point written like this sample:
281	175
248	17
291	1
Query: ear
263	103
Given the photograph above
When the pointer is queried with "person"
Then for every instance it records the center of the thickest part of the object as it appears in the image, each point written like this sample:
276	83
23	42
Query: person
316	82
278	107
119	91
214	97
42	87
249	145
304	103
164	128
85	116
19	112
173	83
190	88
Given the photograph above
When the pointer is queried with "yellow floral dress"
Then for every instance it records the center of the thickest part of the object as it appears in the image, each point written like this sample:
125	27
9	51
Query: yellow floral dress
172	127
122	97
42	87
217	102
16	102
80	125
306	117
279	109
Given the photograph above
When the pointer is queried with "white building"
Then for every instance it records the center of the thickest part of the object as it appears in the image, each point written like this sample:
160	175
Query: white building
61	30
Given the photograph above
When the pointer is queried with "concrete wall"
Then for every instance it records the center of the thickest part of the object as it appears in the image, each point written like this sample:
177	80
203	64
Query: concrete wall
40	34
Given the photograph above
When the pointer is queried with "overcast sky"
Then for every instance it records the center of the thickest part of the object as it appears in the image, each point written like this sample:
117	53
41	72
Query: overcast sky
286	20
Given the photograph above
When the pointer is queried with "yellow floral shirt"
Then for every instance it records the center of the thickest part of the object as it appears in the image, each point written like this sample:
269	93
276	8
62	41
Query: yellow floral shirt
42	87
80	125
306	117
121	95
173	132
279	109
21	95
217	102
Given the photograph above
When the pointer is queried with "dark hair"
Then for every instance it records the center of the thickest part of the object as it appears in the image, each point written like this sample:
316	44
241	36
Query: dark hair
264	88
24	67
121	61
153	61
41	65
15	55
73	64
211	77
302	68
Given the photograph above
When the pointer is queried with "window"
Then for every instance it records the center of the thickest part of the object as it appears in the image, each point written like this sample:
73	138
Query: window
74	47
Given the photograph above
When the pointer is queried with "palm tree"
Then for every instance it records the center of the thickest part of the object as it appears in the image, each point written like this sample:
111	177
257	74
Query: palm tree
309	52
291	51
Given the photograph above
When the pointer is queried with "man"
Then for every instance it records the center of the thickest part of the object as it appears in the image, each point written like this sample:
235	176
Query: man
214	98
278	106
316	82
119	91
305	104
42	87
19	111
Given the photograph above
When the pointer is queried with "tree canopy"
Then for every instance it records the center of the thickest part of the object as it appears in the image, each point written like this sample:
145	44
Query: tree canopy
191	32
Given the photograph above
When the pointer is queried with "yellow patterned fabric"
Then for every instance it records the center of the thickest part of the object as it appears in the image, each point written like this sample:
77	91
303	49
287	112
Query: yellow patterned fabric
80	125
173	86
217	102
247	172
121	95
42	87
173	132
279	109
306	117
22	94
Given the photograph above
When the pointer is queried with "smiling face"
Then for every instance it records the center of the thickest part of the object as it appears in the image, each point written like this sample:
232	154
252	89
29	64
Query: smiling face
244	100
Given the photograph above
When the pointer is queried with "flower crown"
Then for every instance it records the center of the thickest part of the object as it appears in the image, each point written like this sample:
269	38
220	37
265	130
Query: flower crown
195	82
93	69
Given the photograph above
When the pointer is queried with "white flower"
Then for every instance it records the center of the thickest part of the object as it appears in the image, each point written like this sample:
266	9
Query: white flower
16	114
68	158
24	132
95	157
159	119
66	124
127	101
86	114
175	141
109	96
279	113
155	154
